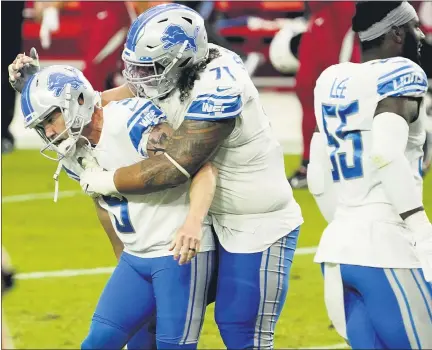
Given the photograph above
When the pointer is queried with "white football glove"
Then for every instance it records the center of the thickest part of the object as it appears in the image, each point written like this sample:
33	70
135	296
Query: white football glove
22	68
50	23
96	181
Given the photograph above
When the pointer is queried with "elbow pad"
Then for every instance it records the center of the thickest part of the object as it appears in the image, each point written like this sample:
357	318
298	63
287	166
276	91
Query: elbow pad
389	141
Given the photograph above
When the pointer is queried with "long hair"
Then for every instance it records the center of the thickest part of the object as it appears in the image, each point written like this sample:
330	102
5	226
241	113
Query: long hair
188	76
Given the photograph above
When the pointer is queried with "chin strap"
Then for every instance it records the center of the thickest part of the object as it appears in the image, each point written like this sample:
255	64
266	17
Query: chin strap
56	180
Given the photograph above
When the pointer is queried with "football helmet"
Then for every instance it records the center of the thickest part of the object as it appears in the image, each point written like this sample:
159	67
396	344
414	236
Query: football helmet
66	88
160	43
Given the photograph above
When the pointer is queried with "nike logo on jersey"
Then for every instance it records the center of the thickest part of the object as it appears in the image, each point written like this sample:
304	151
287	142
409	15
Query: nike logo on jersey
219	89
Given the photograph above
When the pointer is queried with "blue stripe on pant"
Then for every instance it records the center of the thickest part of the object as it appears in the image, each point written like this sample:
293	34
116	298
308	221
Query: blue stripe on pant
387	308
139	288
251	292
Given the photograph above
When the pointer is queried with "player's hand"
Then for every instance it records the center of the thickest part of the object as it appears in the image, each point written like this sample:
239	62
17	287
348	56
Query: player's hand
95	180
50	23
186	243
22	68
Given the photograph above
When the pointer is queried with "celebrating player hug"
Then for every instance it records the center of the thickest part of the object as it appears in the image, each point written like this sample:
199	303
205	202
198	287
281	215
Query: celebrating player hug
188	181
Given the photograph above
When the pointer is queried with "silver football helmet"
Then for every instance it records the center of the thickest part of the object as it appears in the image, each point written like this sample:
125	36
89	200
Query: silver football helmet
62	87
160	43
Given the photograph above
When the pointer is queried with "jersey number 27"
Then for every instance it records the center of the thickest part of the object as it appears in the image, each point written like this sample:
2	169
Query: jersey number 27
342	112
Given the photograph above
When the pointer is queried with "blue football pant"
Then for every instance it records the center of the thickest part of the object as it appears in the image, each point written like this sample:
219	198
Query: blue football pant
139	288
251	292
145	337
381	308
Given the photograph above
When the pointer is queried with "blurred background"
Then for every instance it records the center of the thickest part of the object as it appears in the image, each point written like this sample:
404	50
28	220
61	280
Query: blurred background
60	252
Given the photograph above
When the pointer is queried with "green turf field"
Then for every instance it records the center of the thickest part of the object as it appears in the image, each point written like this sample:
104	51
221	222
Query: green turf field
55	312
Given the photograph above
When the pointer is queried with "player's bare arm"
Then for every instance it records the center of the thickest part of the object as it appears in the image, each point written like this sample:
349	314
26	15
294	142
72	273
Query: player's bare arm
105	221
191	145
186	243
158	139
116	94
406	107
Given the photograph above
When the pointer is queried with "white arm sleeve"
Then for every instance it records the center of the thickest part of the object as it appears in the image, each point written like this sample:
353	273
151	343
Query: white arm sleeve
389	141
319	177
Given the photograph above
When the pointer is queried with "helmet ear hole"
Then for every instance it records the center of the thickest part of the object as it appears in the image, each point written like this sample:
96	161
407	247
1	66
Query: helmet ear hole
81	99
159	68
187	20
185	62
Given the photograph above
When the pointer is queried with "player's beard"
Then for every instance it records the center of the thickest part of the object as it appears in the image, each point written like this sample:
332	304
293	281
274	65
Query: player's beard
410	48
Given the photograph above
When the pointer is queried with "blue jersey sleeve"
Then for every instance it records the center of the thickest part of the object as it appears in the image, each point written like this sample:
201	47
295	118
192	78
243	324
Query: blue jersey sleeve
217	105
141	122
401	77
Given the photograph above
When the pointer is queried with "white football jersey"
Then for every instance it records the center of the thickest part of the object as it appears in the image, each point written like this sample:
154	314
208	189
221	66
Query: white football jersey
254	204
144	223
366	229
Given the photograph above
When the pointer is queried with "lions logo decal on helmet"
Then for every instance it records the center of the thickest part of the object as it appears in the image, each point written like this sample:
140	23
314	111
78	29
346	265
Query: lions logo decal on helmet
176	35
58	81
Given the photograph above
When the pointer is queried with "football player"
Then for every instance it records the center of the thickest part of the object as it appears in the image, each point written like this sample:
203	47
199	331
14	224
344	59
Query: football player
365	173
216	112
61	105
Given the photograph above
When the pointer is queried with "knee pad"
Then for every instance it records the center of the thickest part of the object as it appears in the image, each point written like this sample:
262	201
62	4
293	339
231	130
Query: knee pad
104	336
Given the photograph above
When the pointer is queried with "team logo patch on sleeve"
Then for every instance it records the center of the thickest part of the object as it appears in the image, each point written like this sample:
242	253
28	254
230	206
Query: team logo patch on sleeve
176	35
57	82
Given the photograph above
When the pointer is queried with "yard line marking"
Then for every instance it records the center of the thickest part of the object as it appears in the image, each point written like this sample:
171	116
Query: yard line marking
333	346
306	251
106	270
35	196
64	273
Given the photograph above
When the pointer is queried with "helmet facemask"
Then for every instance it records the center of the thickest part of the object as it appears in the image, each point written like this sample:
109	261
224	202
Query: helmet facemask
154	79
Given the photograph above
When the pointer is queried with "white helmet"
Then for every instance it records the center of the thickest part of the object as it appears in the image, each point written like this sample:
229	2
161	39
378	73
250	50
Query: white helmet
62	87
160	43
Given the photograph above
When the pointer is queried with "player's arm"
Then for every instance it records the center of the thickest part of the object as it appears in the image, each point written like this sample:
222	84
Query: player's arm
390	132
319	176
105	221
191	145
208	121
116	94
187	241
